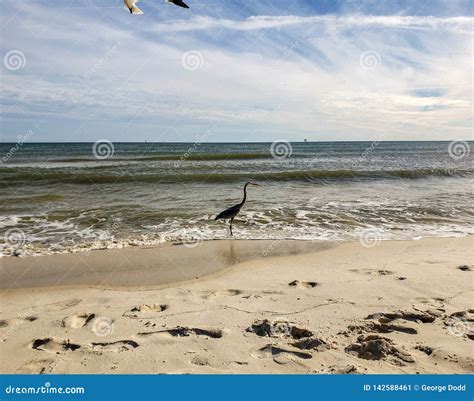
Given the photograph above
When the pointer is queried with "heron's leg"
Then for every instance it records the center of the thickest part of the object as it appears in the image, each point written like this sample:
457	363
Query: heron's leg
231	220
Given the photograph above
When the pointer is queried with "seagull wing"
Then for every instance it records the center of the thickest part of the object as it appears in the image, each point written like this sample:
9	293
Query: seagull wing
130	6
179	3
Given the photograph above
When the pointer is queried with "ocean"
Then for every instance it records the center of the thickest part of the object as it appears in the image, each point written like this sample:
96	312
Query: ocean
68	197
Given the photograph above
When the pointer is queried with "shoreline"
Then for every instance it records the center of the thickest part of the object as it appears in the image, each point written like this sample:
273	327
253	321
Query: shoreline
160	265
398	307
209	256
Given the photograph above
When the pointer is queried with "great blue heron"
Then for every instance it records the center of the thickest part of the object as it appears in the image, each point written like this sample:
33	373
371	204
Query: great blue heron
233	211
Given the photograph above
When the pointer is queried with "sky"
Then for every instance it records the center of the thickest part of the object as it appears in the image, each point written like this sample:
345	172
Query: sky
231	71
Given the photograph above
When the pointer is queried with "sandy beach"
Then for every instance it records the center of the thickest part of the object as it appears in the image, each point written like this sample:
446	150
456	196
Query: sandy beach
242	307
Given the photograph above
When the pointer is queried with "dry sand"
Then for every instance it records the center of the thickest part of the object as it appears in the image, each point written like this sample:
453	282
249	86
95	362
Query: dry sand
399	307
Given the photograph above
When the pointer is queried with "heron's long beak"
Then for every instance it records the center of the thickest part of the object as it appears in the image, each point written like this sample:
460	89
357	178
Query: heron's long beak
253	183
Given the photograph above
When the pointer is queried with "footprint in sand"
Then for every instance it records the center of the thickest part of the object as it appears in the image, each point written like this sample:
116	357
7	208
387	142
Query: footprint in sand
459	324
145	310
433	306
9	325
184	332
280	354
77	320
375	347
343	370
376	327
388	322
200	361
278	328
425	349
37	366
11	322
54	345
303	284
441	356
59	345
220	294
467	315
314	344
115	346
373	272
387	317
234	292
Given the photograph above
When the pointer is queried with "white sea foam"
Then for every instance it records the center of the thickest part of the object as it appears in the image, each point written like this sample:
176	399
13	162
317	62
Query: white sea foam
248	228
123	201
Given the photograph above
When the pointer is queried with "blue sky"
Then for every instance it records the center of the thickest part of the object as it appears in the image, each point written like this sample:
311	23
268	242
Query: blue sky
233	70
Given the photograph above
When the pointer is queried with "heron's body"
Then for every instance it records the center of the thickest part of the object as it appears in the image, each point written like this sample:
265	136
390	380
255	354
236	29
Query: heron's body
233	211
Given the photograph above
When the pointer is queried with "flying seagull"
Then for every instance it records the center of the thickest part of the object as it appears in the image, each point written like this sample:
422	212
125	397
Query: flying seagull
179	3
233	211
130	6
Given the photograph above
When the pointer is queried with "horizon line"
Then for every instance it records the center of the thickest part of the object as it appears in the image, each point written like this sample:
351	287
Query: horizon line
230	142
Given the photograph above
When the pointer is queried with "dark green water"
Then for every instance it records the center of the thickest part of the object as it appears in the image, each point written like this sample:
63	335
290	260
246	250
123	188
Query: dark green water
63	197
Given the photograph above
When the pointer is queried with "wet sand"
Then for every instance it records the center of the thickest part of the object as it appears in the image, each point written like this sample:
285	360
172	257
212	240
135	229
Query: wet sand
242	307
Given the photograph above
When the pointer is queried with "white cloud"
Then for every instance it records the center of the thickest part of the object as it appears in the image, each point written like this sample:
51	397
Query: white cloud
301	85
459	24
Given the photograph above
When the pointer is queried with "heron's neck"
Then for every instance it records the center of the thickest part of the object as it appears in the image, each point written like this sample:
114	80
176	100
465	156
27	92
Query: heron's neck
245	195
